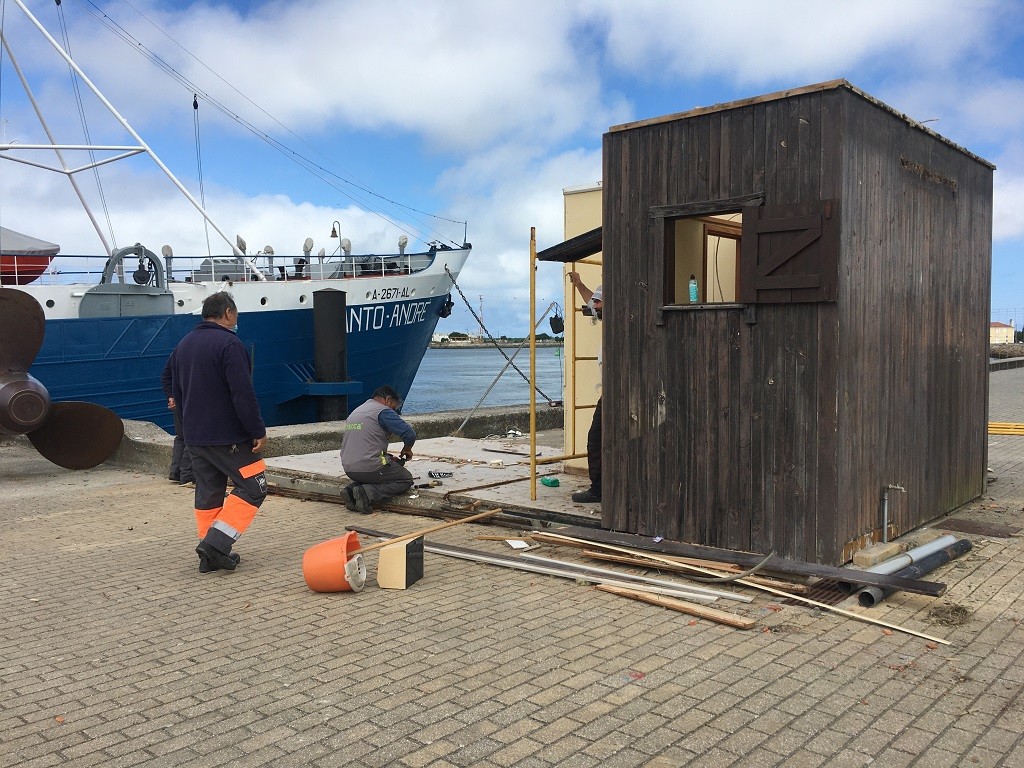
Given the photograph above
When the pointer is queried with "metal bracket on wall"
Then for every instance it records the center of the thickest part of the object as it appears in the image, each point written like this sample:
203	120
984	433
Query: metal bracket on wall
750	314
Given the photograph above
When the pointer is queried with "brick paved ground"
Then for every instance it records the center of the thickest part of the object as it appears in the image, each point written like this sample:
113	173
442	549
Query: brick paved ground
114	651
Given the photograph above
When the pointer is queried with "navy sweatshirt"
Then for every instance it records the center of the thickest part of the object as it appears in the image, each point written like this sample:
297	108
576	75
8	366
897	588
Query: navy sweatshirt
212	386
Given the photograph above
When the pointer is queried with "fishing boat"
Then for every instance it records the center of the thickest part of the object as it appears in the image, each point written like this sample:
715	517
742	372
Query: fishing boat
112	321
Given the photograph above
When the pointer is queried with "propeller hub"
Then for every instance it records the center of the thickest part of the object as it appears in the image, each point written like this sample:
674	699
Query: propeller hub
24	403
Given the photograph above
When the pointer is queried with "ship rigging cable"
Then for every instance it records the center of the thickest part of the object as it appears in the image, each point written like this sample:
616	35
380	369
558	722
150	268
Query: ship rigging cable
493	341
348	185
85	126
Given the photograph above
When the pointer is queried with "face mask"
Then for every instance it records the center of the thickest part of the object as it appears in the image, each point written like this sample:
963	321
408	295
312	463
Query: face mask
234	328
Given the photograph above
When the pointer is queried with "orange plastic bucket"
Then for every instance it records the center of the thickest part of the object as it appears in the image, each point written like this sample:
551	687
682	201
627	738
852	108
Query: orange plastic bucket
323	565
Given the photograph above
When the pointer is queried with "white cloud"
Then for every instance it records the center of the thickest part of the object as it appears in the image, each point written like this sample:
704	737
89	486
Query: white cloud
749	41
1008	206
458	74
506	192
504	101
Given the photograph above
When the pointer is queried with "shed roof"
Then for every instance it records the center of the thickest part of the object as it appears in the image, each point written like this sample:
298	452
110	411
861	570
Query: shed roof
573	249
779	95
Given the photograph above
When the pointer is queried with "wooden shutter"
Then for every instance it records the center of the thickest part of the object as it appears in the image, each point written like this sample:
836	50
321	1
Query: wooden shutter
790	253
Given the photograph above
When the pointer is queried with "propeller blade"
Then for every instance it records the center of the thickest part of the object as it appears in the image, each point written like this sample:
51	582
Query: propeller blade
78	435
22	324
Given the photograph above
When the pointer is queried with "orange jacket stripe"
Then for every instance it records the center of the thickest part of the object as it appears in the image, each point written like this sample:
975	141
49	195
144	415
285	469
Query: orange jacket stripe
251	470
204	519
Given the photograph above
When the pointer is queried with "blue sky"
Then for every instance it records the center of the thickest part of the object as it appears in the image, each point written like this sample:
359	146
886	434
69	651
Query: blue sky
478	111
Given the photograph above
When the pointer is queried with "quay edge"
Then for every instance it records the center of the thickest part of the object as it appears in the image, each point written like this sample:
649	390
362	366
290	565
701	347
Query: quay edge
146	447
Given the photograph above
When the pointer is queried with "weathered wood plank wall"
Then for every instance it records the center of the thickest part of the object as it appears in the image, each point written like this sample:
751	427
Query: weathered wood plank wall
914	310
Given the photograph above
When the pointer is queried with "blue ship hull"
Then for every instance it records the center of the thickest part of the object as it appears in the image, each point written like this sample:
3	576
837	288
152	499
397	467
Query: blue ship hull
117	361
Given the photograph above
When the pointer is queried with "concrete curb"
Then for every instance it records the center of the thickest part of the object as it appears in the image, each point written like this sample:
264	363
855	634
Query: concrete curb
147	447
1006	364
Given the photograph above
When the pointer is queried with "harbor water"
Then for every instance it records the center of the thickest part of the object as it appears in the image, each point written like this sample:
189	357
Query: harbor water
456	379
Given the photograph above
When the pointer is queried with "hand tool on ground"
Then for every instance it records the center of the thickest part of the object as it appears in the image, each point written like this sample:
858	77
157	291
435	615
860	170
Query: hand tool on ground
431	484
355	568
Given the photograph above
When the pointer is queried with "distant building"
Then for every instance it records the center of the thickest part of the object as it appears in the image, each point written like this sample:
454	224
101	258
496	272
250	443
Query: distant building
1000	333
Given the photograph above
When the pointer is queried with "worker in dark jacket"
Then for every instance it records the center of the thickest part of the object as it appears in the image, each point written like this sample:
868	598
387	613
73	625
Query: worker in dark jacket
376	473
224	432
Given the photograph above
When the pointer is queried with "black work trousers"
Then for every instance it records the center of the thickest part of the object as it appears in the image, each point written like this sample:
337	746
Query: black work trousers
594	450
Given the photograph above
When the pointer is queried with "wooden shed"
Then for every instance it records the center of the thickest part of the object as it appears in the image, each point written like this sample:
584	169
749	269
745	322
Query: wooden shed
839	341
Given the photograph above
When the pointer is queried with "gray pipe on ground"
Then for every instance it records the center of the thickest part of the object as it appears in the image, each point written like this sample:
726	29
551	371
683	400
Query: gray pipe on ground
870	596
900	561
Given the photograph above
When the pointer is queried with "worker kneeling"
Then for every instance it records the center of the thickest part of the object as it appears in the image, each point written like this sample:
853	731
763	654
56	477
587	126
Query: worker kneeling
375	474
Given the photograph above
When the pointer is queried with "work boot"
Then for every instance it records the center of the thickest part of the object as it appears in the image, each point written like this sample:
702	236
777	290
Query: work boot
361	500
587	497
350	500
206	567
214	558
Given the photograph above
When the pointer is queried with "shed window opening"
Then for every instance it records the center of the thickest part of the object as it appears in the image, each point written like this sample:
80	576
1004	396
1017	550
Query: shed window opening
702	263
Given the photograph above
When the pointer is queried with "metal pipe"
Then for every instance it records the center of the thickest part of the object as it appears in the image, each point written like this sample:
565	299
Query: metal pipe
625	575
569	572
885	509
871	596
900	561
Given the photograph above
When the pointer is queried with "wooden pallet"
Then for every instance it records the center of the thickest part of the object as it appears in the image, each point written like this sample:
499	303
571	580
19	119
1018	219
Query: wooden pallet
1005	428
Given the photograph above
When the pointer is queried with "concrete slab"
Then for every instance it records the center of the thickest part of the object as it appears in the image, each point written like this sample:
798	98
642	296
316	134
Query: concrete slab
495	472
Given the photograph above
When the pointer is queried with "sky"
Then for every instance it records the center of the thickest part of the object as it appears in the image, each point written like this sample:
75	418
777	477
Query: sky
476	111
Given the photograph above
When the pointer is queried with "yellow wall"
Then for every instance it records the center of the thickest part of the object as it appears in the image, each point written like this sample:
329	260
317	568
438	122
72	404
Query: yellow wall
582	336
1000	335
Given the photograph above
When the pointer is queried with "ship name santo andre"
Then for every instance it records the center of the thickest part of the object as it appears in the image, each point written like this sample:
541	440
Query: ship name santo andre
376	316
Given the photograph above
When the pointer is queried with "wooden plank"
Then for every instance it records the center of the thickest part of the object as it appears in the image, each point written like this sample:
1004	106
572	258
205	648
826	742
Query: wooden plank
746	559
425	531
701	611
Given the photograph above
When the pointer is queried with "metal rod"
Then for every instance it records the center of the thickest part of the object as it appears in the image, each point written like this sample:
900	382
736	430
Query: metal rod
504	561
533	364
53	141
124	124
637	577
500	374
885	509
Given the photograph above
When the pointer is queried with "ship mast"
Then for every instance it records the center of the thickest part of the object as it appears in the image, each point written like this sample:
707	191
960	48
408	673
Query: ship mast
127	151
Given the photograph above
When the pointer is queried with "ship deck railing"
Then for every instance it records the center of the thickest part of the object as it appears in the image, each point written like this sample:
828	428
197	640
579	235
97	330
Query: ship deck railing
68	269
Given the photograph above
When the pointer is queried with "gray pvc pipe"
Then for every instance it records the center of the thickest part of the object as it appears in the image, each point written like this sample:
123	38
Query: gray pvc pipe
900	561
870	596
